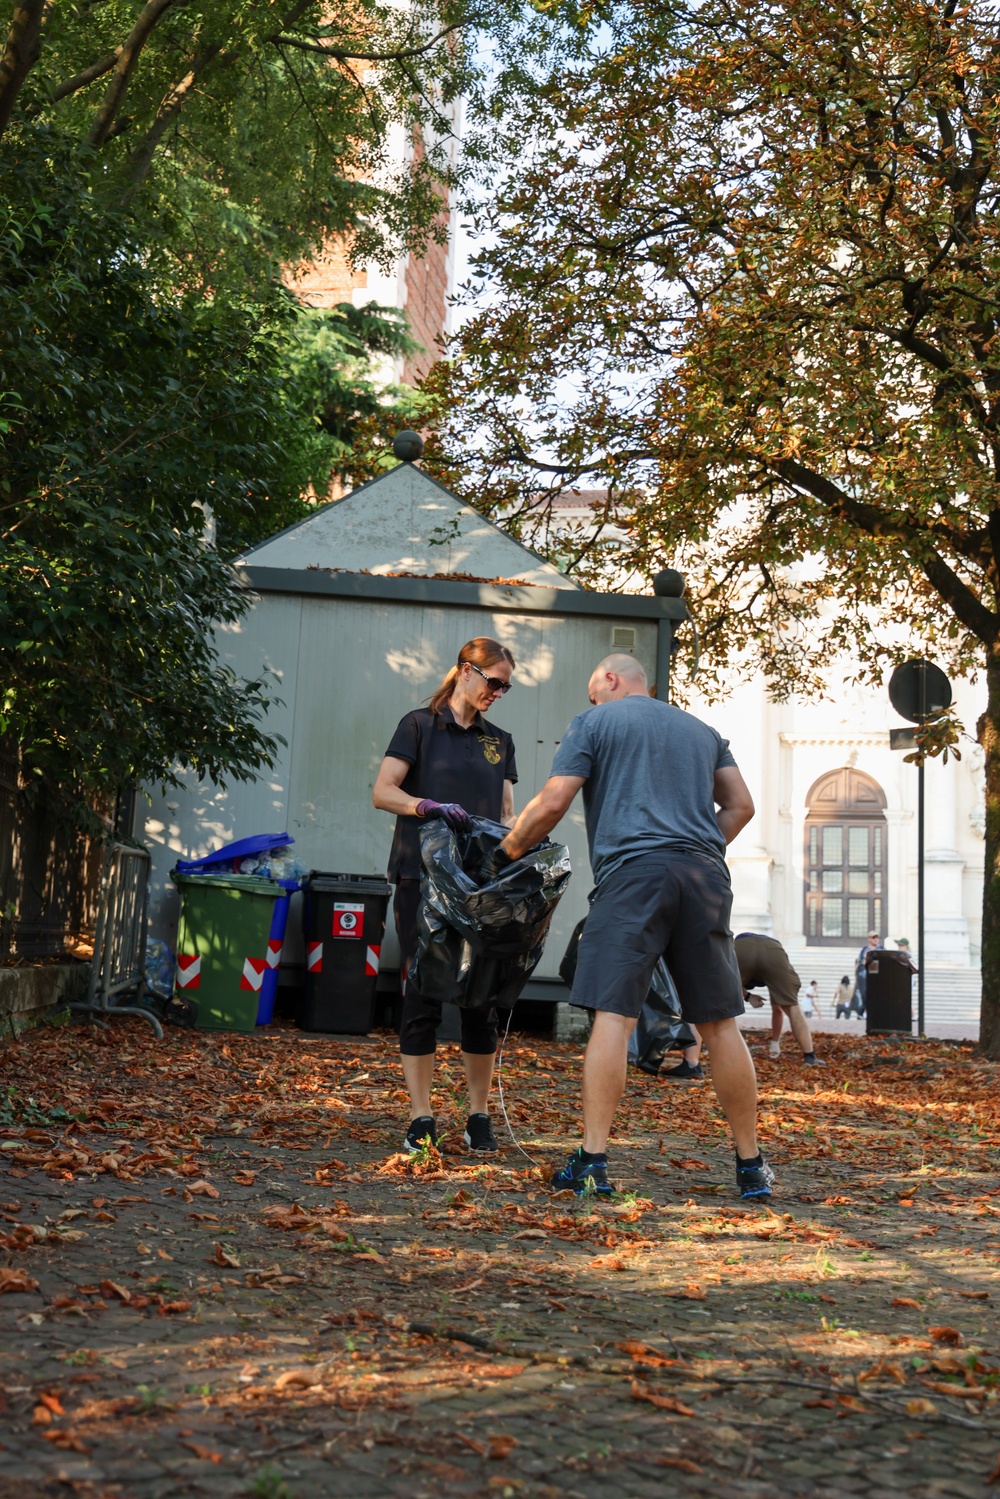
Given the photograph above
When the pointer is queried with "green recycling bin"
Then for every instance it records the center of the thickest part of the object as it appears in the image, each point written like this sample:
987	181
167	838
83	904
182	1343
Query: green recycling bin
223	947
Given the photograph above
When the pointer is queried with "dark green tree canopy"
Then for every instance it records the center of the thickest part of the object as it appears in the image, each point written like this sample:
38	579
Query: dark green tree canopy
255	130
163	400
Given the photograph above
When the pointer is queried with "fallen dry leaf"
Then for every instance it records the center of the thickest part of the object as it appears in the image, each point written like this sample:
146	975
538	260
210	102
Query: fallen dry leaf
204	1454
202	1188
501	1447
224	1257
16	1280
945	1335
921	1408
67	1440
662	1402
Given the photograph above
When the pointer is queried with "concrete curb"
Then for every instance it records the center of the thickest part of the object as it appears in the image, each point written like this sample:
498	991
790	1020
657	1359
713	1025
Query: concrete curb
27	995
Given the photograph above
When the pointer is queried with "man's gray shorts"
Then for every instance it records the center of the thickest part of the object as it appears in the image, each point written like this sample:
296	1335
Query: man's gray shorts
672	905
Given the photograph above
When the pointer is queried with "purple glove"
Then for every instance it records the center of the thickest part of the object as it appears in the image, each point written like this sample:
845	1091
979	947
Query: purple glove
454	815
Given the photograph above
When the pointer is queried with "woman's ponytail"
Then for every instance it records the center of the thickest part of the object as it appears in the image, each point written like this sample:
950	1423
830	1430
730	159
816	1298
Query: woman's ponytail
443	693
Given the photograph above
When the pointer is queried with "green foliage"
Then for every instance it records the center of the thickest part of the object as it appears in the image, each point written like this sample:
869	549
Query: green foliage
250	133
330	363
163	164
16	1110
129	413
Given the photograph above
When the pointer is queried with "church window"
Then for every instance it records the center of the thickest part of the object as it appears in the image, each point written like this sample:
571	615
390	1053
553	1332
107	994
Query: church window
845	858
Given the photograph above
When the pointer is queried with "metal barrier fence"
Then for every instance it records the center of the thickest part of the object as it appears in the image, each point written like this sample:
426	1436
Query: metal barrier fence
120	939
50	871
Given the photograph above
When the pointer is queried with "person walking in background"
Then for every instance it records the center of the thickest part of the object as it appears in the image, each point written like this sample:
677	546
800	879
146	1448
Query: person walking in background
843	997
763	963
809	1002
662	798
861	972
446	761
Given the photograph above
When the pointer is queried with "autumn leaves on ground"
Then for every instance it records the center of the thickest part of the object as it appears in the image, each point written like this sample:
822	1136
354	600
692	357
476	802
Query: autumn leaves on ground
220	1278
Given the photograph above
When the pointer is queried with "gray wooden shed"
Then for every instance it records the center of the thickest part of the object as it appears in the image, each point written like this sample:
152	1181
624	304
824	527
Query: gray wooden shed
357	614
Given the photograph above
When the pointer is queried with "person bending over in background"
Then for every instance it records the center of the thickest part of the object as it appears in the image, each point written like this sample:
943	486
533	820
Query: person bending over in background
652	778
764	964
446	760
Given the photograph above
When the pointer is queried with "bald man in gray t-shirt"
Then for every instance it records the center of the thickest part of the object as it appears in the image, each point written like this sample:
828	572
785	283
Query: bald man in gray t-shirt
663	796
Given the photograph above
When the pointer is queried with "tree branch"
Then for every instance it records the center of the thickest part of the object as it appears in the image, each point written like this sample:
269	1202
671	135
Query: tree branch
22	51
340	54
145	24
983	623
171	105
80	80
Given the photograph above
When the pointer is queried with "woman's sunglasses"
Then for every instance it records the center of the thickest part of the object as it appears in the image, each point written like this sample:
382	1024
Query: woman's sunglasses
495	684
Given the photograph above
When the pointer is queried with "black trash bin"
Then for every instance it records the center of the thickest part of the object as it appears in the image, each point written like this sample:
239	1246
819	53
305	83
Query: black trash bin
888	992
344	921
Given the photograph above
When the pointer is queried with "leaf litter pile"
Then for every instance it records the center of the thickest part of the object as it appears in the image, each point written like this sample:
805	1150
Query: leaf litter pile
220	1276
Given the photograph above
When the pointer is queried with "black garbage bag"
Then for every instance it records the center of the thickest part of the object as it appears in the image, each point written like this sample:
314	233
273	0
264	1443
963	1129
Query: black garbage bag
480	942
660	1028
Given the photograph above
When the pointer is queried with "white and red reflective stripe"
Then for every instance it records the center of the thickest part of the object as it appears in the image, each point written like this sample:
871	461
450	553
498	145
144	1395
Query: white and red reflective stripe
188	971
371	961
273	952
314	960
253	974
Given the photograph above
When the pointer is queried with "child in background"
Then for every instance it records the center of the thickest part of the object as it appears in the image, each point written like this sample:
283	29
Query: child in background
810	1000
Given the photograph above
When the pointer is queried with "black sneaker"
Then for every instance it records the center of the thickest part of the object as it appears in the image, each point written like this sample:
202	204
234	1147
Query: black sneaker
684	1073
583	1177
810	1059
420	1131
755	1181
479	1136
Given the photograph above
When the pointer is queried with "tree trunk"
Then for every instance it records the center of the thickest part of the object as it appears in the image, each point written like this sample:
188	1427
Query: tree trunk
989	738
24	45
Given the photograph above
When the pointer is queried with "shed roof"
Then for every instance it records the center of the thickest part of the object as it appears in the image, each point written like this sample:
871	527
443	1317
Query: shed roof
405	523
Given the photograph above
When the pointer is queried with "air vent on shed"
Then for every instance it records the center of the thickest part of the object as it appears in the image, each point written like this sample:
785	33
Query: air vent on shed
622	638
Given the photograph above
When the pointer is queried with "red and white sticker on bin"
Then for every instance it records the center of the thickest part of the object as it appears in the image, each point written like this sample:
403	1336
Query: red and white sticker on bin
188	971
348	919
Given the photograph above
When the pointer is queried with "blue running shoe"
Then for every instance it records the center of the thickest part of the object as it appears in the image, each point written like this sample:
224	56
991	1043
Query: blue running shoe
583	1177
755	1181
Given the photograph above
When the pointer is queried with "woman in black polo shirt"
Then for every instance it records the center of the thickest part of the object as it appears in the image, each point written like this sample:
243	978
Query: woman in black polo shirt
449	752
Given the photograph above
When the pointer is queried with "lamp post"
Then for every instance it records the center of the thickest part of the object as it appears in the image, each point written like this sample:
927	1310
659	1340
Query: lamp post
918	690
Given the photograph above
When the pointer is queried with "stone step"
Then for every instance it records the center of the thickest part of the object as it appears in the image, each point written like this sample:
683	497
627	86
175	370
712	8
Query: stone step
951	993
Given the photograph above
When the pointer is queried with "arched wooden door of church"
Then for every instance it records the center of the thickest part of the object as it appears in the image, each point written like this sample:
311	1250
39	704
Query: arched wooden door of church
845	860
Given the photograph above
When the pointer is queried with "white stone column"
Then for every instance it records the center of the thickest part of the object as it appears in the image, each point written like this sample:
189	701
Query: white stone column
748	858
946	930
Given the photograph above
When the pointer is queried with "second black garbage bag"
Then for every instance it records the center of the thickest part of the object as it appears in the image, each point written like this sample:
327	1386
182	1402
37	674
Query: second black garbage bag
479	941
660	1027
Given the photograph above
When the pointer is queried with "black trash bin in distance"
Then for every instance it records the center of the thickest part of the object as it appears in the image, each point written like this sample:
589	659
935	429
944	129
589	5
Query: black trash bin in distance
344	922
888	992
